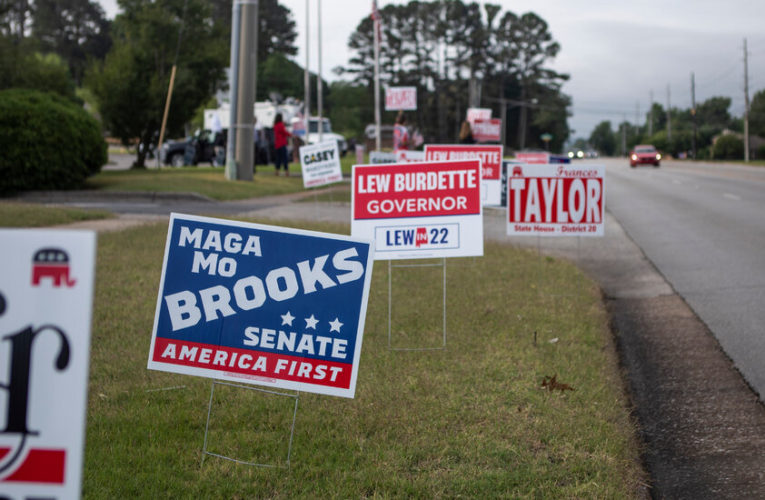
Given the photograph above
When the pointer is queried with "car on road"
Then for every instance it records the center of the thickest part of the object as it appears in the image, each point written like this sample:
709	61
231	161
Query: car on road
644	154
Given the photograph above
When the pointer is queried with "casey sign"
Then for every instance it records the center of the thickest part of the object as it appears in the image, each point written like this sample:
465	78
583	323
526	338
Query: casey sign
320	164
46	297
419	210
261	304
491	163
555	200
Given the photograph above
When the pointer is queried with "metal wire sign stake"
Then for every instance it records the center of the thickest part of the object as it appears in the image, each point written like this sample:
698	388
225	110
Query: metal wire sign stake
390	305
296	397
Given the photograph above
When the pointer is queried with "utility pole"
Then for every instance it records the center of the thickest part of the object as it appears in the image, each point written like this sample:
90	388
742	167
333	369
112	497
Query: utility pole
320	97
244	64
624	134
307	74
650	113
378	117
746	103
693	111
669	118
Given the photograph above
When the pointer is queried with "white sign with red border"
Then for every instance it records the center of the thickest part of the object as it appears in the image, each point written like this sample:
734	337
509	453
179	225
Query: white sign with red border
400	98
487	130
409	156
320	164
491	164
419	210
46	303
556	200
474	114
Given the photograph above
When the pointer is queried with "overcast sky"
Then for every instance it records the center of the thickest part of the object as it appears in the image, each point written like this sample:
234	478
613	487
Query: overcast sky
615	52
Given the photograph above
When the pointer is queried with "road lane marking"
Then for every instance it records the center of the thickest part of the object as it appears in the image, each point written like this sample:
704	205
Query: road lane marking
732	197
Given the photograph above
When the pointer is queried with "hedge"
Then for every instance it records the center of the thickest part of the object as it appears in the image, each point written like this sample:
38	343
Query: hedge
47	142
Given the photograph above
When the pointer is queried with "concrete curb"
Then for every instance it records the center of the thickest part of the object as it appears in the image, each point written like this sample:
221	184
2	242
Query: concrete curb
110	196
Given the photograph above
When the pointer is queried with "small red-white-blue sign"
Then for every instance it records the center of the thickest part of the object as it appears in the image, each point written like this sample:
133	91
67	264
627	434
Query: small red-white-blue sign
262	304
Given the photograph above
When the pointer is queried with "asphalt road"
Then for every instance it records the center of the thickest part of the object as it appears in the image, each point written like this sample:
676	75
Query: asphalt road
703	227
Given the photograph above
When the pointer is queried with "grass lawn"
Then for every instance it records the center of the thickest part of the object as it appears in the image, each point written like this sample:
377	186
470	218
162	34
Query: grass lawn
471	420
207	181
13	214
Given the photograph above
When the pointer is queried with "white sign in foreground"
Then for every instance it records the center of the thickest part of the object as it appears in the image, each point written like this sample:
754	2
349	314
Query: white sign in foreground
419	210
320	164
401	98
46	301
556	200
264	305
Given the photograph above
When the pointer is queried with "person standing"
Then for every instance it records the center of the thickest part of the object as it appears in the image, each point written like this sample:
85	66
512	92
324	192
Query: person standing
280	145
400	134
466	133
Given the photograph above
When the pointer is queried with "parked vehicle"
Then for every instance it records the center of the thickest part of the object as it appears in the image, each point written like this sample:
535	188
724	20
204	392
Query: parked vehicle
173	151
326	133
644	154
193	150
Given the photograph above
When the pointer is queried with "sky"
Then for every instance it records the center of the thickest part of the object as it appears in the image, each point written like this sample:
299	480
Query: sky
616	53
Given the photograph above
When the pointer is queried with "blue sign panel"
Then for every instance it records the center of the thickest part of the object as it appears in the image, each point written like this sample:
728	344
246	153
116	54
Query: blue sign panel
262	304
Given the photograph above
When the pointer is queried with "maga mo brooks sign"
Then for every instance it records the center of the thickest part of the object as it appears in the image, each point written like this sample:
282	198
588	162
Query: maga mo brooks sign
555	200
262	304
419	210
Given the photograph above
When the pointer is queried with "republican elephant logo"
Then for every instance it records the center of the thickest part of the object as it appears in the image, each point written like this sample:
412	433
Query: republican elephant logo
52	263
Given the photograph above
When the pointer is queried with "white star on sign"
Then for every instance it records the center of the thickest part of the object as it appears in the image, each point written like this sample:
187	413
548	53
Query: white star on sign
334	326
311	322
287	319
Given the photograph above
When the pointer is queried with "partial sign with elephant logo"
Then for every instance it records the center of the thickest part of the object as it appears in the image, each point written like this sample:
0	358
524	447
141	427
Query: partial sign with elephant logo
46	298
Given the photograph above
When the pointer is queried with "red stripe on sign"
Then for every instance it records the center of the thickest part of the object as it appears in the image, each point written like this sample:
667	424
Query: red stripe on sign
417	190
40	466
253	364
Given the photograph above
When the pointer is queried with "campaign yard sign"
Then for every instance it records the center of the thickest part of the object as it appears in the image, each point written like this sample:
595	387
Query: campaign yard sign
556	200
320	164
401	98
419	210
265	305
409	156
487	130
474	114
46	303
380	157
491	163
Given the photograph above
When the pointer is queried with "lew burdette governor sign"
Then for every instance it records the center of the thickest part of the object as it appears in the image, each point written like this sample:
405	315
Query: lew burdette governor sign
419	210
262	304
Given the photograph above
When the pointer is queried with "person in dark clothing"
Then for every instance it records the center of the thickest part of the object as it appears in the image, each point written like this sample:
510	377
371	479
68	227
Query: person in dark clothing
466	133
280	144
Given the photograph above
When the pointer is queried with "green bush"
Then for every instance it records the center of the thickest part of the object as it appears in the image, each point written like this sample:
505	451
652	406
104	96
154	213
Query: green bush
728	147
761	153
48	142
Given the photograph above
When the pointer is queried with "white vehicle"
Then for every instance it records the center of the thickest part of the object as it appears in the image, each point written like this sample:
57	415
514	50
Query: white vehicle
313	132
265	112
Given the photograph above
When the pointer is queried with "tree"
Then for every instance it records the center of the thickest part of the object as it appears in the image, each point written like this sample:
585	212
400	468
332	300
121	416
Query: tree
276	28
453	50
131	84
757	114
602	139
25	67
76	30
